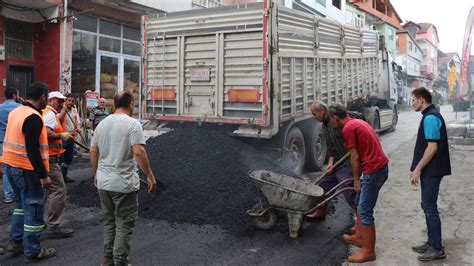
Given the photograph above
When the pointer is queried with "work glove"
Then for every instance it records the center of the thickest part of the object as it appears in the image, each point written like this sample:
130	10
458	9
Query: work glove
65	136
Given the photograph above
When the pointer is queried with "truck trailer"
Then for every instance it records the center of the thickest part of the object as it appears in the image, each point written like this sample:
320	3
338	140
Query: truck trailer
257	68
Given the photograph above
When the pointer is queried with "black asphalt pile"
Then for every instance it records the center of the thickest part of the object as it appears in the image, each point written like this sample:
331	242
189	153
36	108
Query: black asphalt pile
205	176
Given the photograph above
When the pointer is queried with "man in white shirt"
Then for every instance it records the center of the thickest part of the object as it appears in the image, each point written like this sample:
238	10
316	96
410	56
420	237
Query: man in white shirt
116	148
56	199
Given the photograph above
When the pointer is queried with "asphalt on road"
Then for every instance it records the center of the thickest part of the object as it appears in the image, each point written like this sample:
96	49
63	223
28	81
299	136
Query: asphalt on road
170	243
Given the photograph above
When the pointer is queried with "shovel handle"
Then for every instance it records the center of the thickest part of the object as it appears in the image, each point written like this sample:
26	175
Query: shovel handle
334	166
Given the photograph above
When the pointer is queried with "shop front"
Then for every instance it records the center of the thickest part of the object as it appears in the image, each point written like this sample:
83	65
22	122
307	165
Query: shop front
105	58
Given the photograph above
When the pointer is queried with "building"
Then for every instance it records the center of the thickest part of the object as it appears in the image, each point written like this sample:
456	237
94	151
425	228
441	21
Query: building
426	36
182	5
31	35
409	57
383	18
106	47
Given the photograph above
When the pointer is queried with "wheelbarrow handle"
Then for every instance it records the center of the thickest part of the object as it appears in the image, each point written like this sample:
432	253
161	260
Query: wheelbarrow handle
329	198
317	181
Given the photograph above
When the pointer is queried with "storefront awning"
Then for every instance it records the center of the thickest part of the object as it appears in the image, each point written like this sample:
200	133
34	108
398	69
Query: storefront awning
33	11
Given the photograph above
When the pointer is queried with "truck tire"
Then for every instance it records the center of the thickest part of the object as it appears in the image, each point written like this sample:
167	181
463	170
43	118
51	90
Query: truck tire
316	148
394	120
294	151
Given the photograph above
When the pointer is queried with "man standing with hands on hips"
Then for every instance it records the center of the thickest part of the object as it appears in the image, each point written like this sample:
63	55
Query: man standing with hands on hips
370	171
430	163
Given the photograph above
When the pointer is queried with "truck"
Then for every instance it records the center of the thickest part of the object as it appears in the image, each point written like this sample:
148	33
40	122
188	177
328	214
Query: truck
257	68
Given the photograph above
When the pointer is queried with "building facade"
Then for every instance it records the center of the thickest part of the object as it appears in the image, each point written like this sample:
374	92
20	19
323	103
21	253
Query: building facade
426	36
31	35
382	17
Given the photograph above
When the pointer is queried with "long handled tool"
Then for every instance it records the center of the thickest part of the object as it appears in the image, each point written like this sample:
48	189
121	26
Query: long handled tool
334	167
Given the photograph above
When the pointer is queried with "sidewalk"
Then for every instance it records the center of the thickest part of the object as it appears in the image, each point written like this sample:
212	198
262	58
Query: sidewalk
400	220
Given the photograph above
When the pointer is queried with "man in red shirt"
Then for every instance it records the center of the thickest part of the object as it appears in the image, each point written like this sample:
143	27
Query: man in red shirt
370	171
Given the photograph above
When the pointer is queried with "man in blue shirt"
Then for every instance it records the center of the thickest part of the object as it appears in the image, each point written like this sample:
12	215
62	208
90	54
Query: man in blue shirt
11	102
430	163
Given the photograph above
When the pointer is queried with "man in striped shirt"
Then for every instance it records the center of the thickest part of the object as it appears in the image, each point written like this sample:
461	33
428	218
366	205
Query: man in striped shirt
336	149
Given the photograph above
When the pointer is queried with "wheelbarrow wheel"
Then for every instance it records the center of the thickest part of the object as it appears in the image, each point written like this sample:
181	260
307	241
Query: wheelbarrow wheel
267	220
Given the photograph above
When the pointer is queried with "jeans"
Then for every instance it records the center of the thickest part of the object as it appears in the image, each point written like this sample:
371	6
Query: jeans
340	174
8	193
27	218
369	192
120	213
67	156
429	197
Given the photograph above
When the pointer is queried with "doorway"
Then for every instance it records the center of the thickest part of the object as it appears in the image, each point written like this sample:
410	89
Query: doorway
117	72
20	77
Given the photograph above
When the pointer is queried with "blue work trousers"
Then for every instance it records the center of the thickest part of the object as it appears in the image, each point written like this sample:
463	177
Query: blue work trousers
67	156
369	192
8	193
27	219
429	198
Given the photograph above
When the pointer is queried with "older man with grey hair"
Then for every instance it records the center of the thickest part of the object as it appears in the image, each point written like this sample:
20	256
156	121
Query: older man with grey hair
336	149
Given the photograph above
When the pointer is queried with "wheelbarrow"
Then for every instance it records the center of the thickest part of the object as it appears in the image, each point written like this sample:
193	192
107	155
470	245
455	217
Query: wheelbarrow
287	194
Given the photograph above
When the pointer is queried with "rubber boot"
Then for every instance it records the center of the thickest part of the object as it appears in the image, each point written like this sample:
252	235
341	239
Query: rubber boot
355	238
319	213
367	252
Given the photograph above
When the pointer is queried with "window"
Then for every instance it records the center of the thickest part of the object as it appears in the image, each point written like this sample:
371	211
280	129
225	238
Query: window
336	3
410	46
86	23
110	28
391	34
84	47
19	40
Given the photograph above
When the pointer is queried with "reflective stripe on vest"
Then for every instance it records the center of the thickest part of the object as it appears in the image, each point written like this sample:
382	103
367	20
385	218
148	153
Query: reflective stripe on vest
14	146
56	145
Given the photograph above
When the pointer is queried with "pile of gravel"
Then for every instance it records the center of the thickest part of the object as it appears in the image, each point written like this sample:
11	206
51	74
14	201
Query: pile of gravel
205	177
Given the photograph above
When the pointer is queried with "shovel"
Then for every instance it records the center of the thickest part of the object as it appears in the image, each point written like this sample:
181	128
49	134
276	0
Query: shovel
317	181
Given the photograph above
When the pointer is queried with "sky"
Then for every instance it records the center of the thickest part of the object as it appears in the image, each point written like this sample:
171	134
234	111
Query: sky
449	17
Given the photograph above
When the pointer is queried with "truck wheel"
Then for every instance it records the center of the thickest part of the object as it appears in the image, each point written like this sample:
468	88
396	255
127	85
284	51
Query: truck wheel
316	149
376	122
294	151
394	120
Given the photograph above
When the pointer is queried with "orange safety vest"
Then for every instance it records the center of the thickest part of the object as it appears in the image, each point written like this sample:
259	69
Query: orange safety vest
14	145
56	145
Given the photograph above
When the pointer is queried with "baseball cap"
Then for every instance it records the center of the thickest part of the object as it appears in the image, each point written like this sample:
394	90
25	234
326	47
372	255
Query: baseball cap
56	94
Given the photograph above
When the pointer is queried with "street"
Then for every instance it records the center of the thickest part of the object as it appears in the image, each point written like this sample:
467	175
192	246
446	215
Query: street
398	217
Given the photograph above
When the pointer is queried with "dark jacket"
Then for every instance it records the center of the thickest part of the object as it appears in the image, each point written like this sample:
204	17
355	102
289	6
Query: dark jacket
440	165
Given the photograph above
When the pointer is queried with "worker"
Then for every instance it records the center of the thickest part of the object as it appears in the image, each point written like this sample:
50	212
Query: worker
430	163
116	177
71	123
370	171
98	113
11	102
335	144
436	98
26	159
56	198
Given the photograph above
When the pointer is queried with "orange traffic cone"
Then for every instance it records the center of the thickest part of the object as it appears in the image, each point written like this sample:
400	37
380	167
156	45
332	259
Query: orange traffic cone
367	252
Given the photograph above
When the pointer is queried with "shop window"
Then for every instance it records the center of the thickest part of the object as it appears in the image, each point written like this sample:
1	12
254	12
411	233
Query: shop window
132	48
131	33
109	44
19	40
110	28
83	62
86	23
